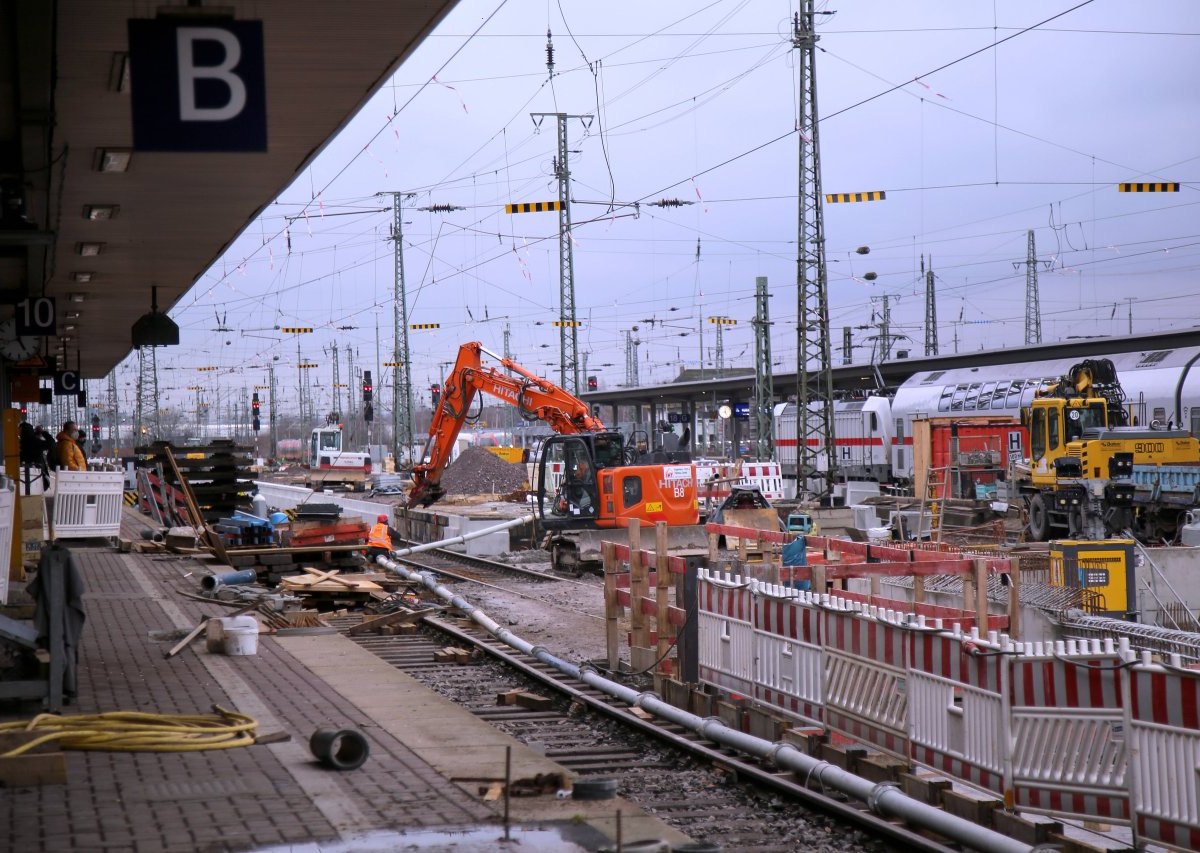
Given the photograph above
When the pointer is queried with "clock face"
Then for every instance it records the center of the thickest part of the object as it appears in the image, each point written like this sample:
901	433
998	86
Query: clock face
16	347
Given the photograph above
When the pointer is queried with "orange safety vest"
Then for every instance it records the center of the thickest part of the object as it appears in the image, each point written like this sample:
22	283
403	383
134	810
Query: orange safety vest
380	538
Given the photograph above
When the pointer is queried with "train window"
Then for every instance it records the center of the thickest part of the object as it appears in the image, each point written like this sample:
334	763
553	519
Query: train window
874	422
1000	394
1052	428
960	393
972	399
944	402
985	396
631	491
1037	434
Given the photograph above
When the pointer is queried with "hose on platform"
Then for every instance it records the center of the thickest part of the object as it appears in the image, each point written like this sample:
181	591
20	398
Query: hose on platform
134	731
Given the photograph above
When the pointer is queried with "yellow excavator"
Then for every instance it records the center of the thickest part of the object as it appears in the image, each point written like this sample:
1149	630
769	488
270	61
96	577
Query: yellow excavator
1092	476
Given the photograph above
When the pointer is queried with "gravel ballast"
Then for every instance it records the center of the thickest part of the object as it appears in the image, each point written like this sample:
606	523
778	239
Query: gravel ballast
478	471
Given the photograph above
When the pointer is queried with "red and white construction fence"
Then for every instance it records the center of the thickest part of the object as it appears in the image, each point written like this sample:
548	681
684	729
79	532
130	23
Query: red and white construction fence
1075	728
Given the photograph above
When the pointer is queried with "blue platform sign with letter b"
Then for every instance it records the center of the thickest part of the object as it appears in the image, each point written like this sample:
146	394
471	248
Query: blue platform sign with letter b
198	84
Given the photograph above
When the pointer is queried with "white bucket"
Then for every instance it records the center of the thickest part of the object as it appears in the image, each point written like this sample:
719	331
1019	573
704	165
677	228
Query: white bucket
241	641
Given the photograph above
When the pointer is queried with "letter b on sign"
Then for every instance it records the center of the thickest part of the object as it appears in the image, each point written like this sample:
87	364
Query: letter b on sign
198	85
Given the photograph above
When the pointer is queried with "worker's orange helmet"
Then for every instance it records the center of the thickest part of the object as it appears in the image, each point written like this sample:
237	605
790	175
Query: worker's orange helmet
382	519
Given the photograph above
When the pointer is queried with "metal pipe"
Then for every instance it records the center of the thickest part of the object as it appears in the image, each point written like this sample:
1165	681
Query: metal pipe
884	799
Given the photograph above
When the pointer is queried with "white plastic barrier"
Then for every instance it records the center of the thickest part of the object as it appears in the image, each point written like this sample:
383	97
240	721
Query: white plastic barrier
8	507
88	504
280	496
726	647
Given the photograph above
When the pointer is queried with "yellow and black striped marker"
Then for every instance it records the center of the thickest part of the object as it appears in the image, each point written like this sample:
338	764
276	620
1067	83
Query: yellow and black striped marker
131	497
393	364
722	321
570	324
533	207
419	326
296	330
1148	188
839	198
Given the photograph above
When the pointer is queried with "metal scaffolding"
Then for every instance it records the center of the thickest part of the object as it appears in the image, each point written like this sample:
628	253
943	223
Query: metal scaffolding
814	371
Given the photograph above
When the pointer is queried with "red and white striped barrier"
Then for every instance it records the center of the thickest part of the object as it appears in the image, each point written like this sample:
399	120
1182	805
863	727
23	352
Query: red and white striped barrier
957	720
787	649
726	630
866	663
1067	723
1164	740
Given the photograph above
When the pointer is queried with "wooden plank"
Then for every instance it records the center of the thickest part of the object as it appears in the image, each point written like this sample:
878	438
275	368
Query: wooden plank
400	617
24	771
330	575
638	585
193	510
188	640
662	600
611	607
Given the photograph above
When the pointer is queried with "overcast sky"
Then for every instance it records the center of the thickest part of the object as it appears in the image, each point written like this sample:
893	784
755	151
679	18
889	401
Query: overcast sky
697	102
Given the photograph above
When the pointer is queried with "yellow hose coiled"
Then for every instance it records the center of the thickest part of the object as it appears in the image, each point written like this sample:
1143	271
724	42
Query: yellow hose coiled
133	731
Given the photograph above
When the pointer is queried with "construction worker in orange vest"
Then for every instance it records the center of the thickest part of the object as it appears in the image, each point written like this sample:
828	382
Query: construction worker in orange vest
379	543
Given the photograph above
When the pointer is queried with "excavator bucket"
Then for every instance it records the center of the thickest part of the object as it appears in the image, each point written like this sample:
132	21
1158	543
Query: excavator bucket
424	495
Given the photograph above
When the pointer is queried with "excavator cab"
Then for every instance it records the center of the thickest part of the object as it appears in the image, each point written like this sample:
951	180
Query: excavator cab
568	476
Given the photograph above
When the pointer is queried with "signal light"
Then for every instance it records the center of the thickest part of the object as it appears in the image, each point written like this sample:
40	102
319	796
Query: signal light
593	383
435	392
368	388
255	408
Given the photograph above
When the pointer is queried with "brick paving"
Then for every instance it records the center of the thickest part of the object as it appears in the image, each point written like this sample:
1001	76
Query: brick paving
217	800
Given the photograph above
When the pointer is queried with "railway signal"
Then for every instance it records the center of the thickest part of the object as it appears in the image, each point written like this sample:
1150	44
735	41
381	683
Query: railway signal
255	407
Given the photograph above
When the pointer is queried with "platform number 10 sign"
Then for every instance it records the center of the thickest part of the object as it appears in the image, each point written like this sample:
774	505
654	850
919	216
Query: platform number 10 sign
37	316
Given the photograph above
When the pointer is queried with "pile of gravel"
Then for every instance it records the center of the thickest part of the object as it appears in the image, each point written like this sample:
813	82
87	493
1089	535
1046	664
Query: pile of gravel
478	471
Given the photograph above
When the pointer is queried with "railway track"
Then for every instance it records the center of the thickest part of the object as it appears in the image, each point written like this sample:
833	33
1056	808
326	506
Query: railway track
466	567
749	806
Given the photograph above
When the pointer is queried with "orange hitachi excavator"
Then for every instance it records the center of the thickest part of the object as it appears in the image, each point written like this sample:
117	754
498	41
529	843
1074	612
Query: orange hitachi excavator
601	487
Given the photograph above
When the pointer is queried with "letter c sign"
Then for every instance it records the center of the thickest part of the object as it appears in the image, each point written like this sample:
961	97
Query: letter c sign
197	85
66	383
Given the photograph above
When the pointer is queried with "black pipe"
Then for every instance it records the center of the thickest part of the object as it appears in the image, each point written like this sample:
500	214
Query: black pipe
1179	390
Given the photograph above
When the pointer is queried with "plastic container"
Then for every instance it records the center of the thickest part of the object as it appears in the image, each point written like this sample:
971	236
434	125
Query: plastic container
232	635
241	641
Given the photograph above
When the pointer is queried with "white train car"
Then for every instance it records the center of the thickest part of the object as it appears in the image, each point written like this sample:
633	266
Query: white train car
862	438
873	435
1162	387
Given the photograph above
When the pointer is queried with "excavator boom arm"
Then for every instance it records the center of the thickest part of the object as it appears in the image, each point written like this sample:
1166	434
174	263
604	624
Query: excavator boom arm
535	397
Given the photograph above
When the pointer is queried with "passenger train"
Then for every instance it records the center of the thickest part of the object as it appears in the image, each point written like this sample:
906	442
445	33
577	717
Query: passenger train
873	433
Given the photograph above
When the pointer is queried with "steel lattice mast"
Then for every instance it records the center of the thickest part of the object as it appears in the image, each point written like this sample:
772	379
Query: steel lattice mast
814	373
402	402
931	330
764	385
1033	308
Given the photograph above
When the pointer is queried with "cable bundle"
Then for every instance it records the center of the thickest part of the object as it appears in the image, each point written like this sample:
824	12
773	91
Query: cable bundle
133	731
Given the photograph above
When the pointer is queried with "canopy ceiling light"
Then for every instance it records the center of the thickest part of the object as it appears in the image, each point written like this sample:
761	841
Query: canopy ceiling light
77	297
113	159
155	329
82	277
89	250
97	212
